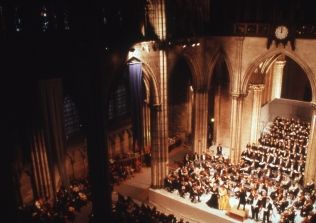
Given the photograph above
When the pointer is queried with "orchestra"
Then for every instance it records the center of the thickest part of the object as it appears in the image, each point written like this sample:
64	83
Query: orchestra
268	178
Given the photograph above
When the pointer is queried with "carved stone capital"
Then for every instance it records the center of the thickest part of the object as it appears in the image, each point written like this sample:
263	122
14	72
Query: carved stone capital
256	87
280	63
237	95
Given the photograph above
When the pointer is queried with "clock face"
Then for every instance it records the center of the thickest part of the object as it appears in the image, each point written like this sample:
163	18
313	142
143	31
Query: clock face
281	32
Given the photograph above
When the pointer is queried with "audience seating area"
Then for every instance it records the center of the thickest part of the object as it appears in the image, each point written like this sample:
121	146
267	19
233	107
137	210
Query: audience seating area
63	210
128	211
124	167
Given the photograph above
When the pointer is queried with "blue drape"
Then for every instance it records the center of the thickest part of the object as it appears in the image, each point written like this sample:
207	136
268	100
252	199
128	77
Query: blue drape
136	97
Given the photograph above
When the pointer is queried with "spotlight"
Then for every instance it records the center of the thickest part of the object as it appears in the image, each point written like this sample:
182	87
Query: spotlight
193	45
198	44
184	46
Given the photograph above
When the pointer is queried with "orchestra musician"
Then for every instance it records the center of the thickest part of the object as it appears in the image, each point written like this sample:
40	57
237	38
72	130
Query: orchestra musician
219	150
255	205
266	208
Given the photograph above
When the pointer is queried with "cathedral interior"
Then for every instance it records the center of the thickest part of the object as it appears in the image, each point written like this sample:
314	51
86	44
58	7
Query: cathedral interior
86	84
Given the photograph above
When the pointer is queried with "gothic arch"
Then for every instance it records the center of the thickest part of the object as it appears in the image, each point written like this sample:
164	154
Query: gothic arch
218	107
274	53
149	80
215	58
194	69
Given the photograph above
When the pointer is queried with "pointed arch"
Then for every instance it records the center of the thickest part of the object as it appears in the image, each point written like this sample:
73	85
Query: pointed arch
194	69
149	80
218	56
218	98
275	54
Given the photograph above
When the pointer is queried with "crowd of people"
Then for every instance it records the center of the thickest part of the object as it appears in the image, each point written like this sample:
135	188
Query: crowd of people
68	201
127	210
123	168
268	179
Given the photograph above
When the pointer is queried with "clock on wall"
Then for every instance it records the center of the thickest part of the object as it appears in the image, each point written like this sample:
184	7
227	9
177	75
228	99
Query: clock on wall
281	32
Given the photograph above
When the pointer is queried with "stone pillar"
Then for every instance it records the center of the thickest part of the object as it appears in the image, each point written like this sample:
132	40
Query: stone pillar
277	79
42	175
157	17
146	125
200	121
190	109
51	96
159	151
256	90
310	166
235	127
97	148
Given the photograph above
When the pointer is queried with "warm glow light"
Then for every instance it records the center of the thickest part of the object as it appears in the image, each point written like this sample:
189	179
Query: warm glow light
198	44
212	119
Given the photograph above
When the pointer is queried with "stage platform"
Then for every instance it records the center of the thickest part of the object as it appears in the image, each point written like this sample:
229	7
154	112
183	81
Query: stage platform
192	212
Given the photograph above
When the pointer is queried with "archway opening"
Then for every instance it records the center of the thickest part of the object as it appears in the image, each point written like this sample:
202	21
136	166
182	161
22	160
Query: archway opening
128	119
278	117
180	104
218	106
295	84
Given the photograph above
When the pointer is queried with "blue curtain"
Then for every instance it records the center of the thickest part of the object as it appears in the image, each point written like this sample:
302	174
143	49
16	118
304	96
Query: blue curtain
136	97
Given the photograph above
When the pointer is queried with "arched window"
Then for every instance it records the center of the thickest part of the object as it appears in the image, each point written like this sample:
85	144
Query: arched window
118	102
72	123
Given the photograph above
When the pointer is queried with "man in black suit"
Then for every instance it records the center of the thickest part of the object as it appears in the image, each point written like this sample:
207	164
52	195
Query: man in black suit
219	150
242	198
255	205
267	208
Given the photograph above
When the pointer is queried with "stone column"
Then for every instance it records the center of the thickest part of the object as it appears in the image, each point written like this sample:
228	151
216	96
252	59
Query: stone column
51	97
278	68
42	175
157	17
310	166
256	90
190	109
146	125
159	151
235	127
200	121
159	141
